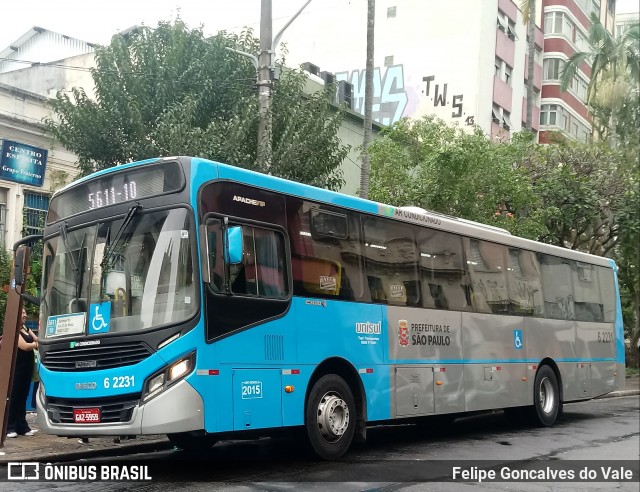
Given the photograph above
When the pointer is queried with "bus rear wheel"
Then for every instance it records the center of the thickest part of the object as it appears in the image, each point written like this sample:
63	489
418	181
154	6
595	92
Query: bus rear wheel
330	417
546	397
191	442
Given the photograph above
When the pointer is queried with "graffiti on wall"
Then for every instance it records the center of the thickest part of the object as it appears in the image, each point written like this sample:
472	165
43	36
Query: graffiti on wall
438	94
393	98
389	95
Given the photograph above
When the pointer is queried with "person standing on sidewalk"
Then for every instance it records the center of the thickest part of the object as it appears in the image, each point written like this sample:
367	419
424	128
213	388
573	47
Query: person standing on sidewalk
25	359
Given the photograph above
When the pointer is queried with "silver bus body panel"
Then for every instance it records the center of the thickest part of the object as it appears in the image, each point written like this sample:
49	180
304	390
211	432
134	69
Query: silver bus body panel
178	409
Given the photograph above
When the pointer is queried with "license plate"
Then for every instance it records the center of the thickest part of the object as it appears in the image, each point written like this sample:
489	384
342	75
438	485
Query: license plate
86	415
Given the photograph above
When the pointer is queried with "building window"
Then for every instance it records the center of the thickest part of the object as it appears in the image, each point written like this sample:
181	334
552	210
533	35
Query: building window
35	210
388	61
503	71
579	87
391	12
551	68
548	114
506	120
495	114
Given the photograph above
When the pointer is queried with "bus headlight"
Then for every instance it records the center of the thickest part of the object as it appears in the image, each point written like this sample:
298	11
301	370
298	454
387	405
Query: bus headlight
161	380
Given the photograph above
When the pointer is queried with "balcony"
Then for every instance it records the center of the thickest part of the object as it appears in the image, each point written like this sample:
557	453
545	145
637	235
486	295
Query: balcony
535	121
502	94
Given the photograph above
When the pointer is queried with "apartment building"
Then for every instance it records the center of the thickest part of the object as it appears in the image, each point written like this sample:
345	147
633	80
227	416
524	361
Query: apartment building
566	28
464	61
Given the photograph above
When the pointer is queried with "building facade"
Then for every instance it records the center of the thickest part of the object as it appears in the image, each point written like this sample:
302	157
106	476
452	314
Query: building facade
566	32
32	165
463	61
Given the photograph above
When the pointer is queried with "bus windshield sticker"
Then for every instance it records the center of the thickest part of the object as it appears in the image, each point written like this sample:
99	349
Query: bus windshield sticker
397	290
100	318
65	324
184	234
518	342
327	283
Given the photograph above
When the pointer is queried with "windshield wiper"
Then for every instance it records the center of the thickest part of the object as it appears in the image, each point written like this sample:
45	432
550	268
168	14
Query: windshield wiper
113	245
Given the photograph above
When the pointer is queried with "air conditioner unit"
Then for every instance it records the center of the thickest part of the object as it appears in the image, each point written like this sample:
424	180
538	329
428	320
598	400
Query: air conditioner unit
328	77
311	68
345	93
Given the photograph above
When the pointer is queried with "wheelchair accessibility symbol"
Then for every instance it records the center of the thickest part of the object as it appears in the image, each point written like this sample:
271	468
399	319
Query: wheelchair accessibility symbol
518	341
100	318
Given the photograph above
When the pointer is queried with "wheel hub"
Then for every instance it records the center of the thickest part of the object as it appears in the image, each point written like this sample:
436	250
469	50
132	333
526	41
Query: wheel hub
333	417
547	396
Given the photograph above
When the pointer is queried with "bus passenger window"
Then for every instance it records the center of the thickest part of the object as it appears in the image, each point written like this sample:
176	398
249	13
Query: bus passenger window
487	268
556	287
586	288
326	260
525	289
391	261
444	280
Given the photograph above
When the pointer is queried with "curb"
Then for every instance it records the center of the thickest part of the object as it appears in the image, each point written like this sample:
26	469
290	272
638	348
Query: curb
616	394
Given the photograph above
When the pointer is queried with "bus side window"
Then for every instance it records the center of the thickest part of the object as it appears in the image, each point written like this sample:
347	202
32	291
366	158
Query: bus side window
525	289
556	287
586	288
487	267
443	276
391	262
326	260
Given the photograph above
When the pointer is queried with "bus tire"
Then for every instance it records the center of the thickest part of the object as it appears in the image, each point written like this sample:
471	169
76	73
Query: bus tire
190	442
330	417
546	397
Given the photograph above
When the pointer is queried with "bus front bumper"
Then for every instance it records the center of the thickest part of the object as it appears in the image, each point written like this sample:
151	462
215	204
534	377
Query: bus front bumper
178	409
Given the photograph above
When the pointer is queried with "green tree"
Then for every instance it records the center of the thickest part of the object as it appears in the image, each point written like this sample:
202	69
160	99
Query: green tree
428	164
583	188
172	91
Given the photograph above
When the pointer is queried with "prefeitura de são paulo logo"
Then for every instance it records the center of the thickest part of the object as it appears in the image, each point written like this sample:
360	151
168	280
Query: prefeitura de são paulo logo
403	333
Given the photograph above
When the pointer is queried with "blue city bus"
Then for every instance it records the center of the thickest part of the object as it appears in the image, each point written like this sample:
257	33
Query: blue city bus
203	301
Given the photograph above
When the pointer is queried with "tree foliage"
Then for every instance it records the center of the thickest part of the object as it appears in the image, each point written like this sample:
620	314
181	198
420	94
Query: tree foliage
172	91
583	190
428	164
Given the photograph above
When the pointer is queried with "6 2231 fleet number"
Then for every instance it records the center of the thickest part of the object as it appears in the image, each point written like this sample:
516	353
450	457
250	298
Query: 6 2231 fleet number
119	382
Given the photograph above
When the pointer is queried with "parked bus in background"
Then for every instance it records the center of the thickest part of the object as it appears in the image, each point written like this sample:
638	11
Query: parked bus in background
203	301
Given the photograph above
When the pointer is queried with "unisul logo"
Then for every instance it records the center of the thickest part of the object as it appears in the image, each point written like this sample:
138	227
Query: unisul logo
369	328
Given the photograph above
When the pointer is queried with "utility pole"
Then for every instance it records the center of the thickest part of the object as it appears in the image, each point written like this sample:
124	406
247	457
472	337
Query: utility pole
266	68
368	101
264	86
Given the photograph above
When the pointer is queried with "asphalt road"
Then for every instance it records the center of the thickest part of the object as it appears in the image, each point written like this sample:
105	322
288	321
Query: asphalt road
593	438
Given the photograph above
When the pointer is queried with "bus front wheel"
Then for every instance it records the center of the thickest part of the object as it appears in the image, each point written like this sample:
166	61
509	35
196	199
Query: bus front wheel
546	397
330	417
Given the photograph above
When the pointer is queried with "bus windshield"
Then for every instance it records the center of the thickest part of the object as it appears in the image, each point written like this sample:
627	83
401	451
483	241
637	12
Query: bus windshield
140	266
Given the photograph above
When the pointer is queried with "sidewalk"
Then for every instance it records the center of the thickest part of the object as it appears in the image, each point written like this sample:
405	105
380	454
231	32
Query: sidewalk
44	447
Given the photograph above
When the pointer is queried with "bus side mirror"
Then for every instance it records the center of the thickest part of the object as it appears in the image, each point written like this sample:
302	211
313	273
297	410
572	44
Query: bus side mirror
18	265
234	245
